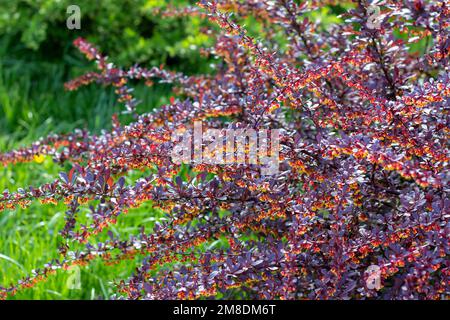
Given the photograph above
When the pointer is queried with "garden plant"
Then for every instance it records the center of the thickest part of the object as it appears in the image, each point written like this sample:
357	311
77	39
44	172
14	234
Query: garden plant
358	205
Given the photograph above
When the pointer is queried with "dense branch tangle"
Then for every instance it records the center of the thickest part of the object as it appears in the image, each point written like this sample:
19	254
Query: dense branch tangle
363	162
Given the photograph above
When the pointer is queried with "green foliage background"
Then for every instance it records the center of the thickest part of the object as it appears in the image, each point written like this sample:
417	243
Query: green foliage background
36	58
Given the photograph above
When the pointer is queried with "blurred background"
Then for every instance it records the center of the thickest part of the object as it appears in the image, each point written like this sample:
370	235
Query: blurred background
37	57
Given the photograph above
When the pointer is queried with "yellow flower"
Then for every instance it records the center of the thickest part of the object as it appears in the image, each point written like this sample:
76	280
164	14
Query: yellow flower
39	158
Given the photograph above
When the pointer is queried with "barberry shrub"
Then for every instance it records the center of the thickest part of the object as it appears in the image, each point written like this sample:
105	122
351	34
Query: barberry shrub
362	106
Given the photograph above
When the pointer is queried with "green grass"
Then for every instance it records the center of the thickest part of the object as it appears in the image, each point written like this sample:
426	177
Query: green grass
33	103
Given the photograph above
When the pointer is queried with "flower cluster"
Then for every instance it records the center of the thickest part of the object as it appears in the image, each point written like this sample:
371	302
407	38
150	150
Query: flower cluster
364	161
